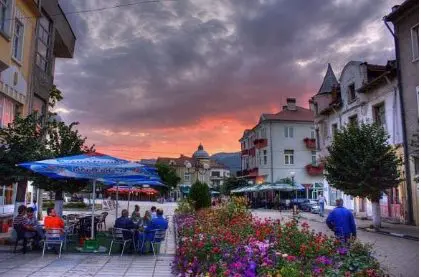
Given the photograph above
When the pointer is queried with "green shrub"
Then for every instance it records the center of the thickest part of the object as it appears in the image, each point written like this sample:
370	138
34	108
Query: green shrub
184	207
200	195
48	204
75	205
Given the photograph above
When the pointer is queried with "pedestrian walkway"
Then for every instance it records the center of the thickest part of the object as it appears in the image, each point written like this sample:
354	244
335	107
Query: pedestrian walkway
398	230
86	265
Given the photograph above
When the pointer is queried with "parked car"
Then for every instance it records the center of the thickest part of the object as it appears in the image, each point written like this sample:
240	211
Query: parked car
298	202
307	205
315	209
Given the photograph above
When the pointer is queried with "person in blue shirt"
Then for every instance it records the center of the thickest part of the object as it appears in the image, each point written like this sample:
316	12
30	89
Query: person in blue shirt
125	222
341	222
157	223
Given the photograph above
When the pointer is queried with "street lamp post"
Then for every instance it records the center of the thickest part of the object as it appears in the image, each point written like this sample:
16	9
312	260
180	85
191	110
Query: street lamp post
292	173
197	167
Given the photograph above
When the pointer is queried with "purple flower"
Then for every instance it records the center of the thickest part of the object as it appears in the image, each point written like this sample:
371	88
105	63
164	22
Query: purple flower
324	260
317	270
252	265
342	251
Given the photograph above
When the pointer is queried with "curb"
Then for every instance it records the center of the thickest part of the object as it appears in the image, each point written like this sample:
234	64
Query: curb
391	234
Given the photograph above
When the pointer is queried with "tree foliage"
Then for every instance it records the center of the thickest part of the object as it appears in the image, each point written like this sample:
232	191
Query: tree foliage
21	141
361	163
231	183
200	195
38	137
168	175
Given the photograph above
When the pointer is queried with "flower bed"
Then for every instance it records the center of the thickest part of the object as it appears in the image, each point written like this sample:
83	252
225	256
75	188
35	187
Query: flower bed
228	241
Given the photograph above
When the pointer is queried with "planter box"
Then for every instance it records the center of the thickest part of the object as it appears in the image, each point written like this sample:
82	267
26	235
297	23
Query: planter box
314	170
310	143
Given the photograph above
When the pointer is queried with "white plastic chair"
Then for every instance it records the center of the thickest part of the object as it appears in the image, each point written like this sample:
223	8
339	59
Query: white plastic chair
54	236
158	238
70	235
118	237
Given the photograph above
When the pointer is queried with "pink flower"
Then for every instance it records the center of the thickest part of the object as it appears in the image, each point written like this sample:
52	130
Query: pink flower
291	258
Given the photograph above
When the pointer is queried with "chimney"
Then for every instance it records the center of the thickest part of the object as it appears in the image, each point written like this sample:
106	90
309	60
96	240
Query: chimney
291	104
395	7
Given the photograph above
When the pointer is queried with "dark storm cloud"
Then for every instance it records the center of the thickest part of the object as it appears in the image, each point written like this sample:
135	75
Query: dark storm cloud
172	64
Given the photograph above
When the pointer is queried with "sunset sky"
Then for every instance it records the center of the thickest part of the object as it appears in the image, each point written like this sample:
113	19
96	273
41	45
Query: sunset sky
156	79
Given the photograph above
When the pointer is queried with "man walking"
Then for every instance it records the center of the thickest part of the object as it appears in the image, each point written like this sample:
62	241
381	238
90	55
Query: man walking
34	206
322	200
341	222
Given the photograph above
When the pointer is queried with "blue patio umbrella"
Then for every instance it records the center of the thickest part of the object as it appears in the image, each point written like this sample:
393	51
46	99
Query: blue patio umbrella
91	166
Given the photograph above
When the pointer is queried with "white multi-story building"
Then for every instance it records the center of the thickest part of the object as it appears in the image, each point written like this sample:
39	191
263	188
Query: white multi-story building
281	144
365	93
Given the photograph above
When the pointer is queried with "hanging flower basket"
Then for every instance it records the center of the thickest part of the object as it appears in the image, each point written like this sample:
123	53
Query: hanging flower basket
310	143
314	170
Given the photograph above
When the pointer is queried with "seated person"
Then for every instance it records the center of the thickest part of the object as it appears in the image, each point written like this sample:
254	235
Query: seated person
157	223
136	214
52	221
147	218
33	230
20	219
153	211
124	222
20	224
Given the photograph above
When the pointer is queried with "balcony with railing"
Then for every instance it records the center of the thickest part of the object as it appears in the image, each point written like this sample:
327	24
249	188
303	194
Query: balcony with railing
250	173
315	169
260	143
310	143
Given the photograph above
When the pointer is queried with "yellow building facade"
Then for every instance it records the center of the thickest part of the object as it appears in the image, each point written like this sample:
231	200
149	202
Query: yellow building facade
17	41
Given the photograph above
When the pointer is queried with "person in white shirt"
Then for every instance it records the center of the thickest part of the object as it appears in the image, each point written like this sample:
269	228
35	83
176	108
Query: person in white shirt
153	212
322	200
35	207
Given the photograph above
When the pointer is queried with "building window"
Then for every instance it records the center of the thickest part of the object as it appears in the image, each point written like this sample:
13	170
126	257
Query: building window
38	106
215	174
313	157
289	132
324	130
353	120
187	177
415	42
313	134
379	114
43	43
5	14
416	163
289	157
7	111
351	93
263	133
334	129
265	157
18	40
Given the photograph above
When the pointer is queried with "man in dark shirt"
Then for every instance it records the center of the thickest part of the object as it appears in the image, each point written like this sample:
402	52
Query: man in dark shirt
125	222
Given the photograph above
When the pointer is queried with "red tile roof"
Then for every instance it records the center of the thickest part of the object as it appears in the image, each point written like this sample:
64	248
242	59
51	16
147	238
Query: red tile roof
300	114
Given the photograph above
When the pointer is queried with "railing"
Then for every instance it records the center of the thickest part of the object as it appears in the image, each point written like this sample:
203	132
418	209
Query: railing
260	143
314	170
310	143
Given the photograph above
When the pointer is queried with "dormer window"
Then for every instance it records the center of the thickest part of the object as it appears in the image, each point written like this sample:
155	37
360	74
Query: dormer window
351	93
